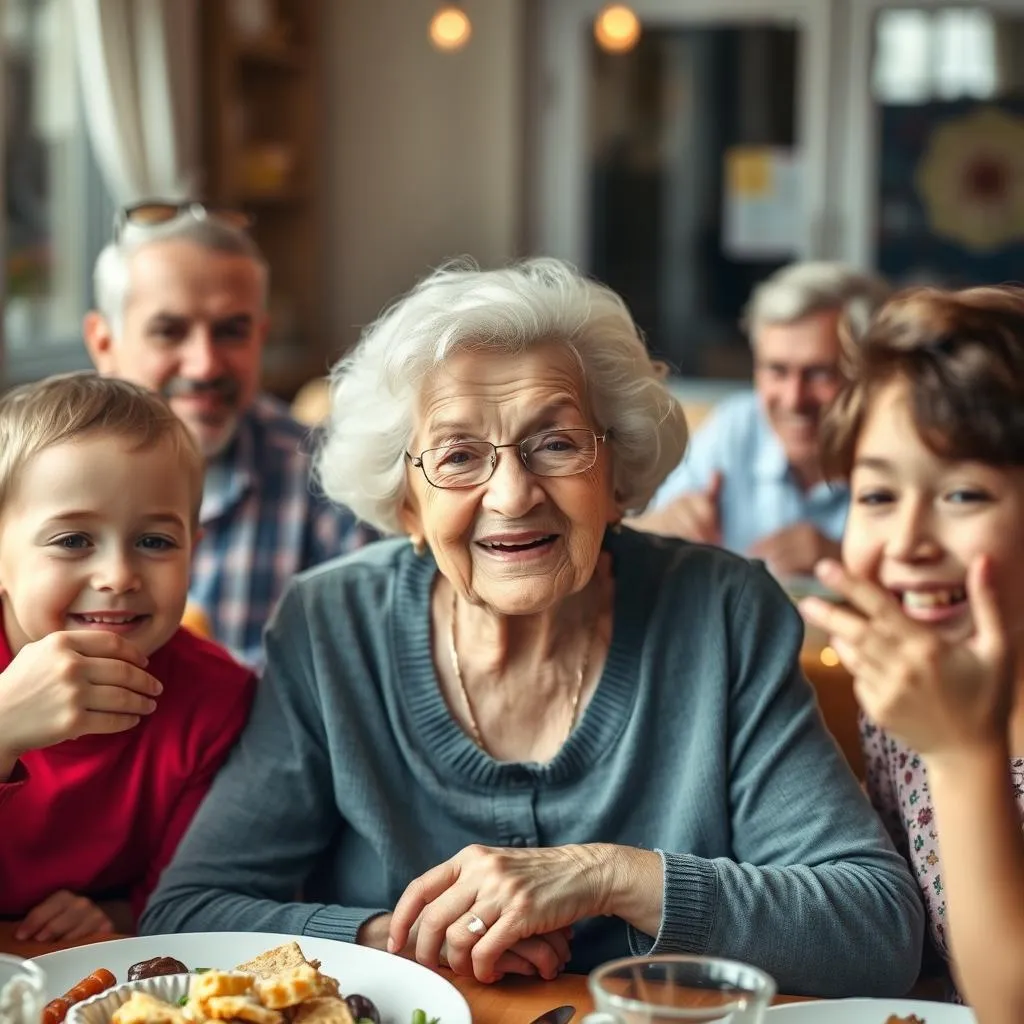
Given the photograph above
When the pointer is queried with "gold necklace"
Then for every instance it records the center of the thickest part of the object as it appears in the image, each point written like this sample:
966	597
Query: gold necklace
473	727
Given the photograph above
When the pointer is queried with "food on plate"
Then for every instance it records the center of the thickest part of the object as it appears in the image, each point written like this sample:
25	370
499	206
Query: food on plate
156	968
254	998
278	959
143	1008
99	981
362	1009
323	1010
912	1019
280	986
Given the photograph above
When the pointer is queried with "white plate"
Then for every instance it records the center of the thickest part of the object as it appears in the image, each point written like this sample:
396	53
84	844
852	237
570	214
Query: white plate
398	986
867	1011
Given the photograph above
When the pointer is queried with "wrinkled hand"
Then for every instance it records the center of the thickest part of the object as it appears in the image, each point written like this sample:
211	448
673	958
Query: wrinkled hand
523	896
529	957
795	549
941	698
69	684
693	516
63	916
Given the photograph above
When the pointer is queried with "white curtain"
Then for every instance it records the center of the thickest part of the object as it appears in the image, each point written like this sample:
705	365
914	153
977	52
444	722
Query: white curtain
138	61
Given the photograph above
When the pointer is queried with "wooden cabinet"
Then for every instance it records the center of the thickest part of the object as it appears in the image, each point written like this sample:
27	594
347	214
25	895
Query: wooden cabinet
264	150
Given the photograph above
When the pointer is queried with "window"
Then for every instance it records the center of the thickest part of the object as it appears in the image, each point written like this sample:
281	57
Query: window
946	54
58	213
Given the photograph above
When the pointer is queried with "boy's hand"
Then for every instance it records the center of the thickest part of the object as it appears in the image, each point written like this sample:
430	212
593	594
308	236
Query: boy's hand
63	916
69	684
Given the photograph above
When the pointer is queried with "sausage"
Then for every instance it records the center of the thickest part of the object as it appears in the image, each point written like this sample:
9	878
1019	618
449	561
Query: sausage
99	981
55	1011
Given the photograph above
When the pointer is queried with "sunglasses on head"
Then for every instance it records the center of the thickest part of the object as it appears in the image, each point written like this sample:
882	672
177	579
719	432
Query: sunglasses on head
154	213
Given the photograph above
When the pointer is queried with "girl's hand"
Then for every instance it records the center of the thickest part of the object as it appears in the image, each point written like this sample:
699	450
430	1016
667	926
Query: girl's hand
63	916
941	698
522	897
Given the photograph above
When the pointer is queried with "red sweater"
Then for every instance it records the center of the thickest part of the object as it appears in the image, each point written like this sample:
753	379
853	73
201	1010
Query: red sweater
103	814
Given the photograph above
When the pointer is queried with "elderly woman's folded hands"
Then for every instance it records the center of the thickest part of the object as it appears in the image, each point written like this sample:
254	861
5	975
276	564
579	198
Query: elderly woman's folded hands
484	903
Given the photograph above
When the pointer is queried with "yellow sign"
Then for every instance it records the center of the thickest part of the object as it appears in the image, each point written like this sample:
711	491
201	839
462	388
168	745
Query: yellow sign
749	170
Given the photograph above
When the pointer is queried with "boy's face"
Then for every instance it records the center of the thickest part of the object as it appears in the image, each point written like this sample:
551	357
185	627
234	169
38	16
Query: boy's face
97	536
917	521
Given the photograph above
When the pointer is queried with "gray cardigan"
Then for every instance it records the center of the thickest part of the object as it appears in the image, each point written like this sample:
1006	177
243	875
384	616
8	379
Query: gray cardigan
701	741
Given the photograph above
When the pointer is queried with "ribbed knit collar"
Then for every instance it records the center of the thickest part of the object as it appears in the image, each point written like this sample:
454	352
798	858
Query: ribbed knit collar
602	720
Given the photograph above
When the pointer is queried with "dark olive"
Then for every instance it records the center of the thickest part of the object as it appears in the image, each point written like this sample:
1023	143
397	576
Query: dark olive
362	1008
155	968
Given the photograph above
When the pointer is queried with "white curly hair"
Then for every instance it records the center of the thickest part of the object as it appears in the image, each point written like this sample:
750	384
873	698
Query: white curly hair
360	461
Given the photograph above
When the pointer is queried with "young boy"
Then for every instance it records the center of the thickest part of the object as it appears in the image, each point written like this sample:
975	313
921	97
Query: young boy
113	719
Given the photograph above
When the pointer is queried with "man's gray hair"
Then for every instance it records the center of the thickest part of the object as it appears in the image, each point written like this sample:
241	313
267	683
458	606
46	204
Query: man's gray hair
802	289
112	272
374	390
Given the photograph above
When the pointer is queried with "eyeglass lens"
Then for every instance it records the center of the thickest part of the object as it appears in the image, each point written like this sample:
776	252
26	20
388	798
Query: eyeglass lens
553	453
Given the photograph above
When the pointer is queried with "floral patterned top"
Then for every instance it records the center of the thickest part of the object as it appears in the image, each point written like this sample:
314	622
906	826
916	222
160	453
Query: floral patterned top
897	784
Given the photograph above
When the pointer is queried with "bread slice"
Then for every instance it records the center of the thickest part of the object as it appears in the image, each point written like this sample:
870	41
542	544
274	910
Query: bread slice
142	1008
277	961
323	1010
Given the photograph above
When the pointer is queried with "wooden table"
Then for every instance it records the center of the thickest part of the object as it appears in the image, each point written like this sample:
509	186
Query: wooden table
511	1001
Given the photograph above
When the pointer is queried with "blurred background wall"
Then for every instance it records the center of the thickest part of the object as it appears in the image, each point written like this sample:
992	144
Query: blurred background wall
680	156
425	148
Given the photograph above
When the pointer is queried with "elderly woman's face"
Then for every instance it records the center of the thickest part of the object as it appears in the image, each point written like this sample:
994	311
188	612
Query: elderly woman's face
519	542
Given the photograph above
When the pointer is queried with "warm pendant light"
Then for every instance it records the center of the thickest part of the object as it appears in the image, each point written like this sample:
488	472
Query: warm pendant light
450	28
617	28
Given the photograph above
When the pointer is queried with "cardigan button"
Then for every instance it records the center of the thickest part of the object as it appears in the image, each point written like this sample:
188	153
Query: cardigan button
517	841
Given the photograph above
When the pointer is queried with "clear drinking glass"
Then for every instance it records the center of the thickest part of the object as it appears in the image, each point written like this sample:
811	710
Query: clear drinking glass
678	989
22	991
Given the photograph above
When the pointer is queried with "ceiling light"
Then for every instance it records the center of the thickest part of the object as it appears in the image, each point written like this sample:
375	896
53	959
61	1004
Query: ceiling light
617	28
450	29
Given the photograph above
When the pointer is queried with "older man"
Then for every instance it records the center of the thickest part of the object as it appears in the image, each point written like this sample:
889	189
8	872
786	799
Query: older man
182	295
751	479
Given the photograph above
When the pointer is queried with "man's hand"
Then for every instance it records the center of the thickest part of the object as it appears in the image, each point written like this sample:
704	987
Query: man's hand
693	516
795	550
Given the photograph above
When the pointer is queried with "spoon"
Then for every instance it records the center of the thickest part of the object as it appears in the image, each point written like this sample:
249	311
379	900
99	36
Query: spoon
558	1015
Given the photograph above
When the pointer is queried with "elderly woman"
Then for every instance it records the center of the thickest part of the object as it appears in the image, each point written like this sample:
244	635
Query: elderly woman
520	718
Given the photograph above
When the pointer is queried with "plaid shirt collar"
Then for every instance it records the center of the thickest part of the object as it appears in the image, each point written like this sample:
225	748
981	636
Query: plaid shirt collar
231	475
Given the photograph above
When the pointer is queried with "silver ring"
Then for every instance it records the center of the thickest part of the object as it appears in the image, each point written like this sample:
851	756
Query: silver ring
475	925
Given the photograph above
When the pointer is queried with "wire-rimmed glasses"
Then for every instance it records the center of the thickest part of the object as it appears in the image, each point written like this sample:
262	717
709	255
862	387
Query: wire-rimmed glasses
471	463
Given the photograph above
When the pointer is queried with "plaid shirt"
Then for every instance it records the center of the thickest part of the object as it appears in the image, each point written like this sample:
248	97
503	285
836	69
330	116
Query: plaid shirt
262	523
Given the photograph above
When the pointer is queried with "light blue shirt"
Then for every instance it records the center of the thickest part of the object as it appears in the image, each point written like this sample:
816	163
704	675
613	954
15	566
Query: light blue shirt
760	495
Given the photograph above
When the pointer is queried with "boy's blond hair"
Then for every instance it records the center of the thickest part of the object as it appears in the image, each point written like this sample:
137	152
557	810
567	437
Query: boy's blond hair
70	406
